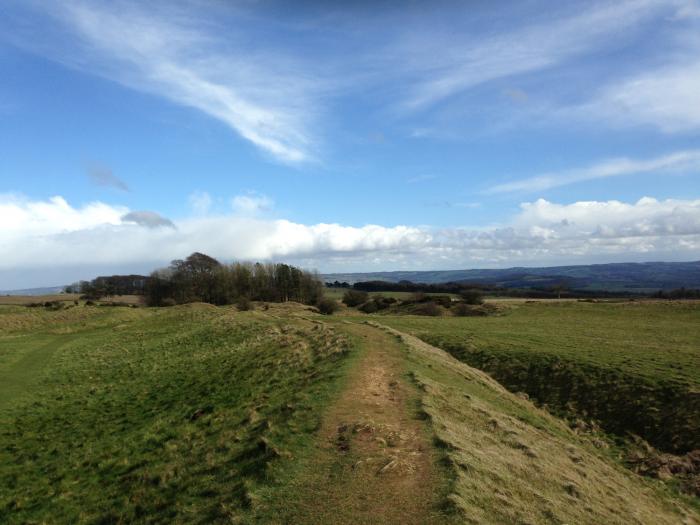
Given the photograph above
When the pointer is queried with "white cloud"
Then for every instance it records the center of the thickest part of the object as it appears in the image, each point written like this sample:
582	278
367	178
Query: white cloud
251	204
53	234
172	53
678	162
667	98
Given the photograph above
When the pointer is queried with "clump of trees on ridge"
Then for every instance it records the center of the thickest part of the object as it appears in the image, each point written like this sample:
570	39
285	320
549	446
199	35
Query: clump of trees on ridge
200	277
203	278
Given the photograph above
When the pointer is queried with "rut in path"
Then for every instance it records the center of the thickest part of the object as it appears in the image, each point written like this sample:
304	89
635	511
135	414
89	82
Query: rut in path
375	462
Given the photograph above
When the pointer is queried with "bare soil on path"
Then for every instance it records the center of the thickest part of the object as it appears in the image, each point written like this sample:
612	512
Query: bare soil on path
376	463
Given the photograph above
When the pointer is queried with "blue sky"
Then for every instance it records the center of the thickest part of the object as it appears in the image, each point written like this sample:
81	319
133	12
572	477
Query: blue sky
441	135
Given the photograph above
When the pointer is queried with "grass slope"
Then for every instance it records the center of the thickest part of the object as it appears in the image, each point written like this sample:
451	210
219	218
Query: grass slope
514	463
155	416
635	366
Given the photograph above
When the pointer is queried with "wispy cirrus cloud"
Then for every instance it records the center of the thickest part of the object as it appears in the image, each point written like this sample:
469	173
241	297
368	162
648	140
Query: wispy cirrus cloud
665	97
445	66
251	203
681	161
173	53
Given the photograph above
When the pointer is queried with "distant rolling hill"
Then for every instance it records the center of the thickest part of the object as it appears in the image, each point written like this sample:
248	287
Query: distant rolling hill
615	277
46	290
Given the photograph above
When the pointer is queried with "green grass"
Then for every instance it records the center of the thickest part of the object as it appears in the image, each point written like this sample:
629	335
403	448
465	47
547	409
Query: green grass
157	416
514	463
634	365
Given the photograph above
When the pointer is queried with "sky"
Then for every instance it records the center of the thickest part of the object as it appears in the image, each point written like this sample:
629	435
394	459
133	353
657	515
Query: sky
346	136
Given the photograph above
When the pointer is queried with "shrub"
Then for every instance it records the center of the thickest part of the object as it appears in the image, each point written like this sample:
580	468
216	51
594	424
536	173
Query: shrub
383	302
53	305
420	297
327	306
428	308
442	300
472	296
461	310
369	307
355	297
244	304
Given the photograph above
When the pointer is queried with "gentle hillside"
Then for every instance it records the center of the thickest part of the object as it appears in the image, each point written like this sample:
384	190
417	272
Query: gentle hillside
514	463
204	414
634	366
614	277
116	415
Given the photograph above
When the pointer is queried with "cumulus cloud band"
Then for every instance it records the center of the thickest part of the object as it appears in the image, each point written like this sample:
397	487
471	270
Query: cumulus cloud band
52	233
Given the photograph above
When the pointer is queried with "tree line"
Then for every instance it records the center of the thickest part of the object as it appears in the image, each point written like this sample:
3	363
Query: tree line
200	277
109	286
557	291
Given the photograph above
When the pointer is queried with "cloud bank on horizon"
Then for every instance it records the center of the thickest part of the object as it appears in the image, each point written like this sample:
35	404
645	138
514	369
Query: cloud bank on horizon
347	137
55	234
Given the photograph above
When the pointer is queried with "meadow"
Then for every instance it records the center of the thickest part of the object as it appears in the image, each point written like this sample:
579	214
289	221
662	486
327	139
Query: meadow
120	414
635	365
205	414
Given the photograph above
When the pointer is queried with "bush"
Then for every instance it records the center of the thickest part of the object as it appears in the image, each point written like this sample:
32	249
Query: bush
355	297
442	300
429	308
327	306
369	307
462	310
244	304
53	305
168	301
472	296
420	297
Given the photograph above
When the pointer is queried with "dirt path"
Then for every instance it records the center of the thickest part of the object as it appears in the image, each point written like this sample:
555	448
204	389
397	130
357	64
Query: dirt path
375	462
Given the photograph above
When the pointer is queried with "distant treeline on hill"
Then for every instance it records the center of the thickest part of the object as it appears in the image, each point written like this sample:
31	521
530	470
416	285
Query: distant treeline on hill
561	290
680	293
111	285
203	278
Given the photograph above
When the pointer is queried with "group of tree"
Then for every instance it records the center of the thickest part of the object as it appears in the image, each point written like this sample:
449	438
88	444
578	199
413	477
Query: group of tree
559	290
109	286
678	293
203	278
337	284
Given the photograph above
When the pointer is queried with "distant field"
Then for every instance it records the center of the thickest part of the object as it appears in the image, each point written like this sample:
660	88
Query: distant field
634	365
337	293
64	297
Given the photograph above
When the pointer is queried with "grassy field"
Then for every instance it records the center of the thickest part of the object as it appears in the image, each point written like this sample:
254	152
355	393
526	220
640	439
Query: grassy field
119	415
203	414
66	298
634	365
